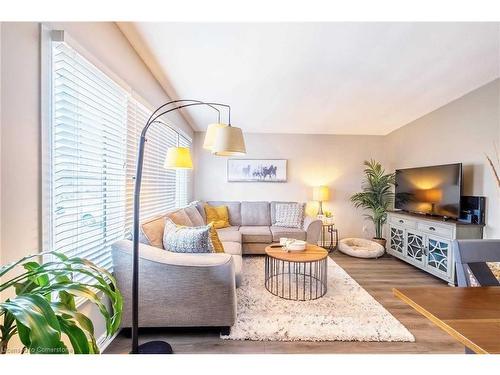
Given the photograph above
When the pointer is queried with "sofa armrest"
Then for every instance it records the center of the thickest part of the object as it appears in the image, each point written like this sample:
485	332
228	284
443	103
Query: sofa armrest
154	254
177	290
312	226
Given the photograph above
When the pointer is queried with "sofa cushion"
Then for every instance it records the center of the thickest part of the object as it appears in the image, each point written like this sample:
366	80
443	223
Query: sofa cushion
256	234
255	213
200	206
278	232
232	228
229	235
234	209
181	239
233	248
194	215
151	232
180	217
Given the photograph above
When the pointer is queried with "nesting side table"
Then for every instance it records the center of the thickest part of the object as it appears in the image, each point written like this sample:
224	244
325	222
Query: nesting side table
329	232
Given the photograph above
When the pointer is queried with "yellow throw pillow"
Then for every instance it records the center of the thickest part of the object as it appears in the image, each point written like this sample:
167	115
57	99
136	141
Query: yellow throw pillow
218	215
214	237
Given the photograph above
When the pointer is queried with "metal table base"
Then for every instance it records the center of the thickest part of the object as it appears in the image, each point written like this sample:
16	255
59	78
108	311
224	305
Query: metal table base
298	281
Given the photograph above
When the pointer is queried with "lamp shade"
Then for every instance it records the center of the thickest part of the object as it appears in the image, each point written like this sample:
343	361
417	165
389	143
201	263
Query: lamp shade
208	143
229	141
429	195
321	193
178	158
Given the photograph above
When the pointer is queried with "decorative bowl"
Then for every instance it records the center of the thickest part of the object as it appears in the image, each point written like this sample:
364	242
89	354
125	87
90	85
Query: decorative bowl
297	245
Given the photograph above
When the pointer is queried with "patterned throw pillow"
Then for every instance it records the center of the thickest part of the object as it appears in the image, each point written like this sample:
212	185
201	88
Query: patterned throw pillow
179	239
289	215
495	269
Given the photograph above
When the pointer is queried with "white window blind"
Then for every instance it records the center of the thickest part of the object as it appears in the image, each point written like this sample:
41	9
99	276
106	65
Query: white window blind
88	139
183	179
162	189
93	135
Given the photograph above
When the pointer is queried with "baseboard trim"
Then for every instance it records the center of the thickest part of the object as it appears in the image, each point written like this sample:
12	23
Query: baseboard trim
103	341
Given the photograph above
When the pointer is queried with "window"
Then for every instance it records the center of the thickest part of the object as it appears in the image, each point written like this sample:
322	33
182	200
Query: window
183	180
162	189
88	143
90	146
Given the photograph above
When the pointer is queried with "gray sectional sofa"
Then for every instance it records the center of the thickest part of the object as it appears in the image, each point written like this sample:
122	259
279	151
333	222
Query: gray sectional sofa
254	221
196	290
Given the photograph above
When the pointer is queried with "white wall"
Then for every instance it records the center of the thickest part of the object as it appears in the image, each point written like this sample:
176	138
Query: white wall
461	131
20	162
333	160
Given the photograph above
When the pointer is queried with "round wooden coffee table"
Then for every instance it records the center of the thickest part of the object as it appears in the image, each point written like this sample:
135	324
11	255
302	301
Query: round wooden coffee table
299	276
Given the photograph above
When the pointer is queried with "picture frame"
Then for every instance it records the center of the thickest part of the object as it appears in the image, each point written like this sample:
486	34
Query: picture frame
256	170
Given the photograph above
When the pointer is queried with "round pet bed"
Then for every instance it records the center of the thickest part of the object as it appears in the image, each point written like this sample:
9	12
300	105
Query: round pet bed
361	248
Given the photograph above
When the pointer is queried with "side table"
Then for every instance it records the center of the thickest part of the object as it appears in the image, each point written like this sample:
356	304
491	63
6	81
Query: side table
329	230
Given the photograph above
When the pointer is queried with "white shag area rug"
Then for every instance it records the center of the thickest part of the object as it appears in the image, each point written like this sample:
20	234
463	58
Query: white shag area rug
346	313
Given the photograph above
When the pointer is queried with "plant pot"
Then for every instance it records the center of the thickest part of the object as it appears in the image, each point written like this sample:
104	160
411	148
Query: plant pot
381	241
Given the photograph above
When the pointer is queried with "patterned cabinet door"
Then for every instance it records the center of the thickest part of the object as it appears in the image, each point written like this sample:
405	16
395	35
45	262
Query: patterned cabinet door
415	247
438	254
397	240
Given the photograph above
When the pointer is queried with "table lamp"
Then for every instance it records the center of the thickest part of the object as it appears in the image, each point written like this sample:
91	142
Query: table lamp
321	194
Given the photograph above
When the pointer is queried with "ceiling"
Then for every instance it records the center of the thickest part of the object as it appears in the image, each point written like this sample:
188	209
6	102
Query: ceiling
318	78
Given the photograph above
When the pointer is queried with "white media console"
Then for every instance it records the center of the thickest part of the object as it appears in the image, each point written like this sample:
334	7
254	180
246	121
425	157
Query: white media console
425	241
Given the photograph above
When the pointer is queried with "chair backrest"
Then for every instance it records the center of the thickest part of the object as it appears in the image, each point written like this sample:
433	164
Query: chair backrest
470	259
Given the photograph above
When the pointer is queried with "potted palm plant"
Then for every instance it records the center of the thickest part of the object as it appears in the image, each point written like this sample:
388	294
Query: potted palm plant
43	311
377	196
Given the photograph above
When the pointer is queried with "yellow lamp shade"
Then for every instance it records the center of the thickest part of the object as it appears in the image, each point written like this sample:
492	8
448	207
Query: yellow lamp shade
178	158
321	193
210	135
229	141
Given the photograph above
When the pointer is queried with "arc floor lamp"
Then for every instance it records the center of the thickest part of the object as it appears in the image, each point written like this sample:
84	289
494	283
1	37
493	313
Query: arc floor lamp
222	140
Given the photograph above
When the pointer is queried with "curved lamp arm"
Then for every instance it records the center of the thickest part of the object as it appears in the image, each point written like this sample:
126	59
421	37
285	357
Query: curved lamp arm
154	116
179	101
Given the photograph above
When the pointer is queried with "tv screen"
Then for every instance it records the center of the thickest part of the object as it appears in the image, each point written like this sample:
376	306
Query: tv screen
434	190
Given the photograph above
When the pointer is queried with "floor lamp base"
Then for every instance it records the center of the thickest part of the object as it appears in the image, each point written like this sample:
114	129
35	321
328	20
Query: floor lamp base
155	347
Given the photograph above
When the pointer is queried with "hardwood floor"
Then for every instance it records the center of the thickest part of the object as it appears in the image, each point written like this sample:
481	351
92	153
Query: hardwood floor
377	276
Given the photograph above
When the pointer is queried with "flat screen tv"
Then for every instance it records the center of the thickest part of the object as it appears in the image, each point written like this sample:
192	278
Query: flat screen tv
433	190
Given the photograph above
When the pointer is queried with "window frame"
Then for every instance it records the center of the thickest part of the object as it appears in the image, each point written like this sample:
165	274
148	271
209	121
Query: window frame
47	37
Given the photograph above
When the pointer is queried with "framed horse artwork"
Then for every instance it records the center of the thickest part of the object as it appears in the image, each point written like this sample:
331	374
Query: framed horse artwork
256	170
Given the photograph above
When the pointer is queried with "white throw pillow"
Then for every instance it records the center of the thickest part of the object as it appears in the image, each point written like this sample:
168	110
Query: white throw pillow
289	215
180	239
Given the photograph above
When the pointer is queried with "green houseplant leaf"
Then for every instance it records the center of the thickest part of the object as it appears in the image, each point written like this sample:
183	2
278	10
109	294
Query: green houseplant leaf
41	331
44	308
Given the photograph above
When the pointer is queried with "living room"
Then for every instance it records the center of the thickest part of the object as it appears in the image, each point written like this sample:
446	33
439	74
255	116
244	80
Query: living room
249	187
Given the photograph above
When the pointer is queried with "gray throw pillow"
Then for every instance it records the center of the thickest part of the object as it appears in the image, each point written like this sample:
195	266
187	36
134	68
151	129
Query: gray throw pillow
289	215
180	239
